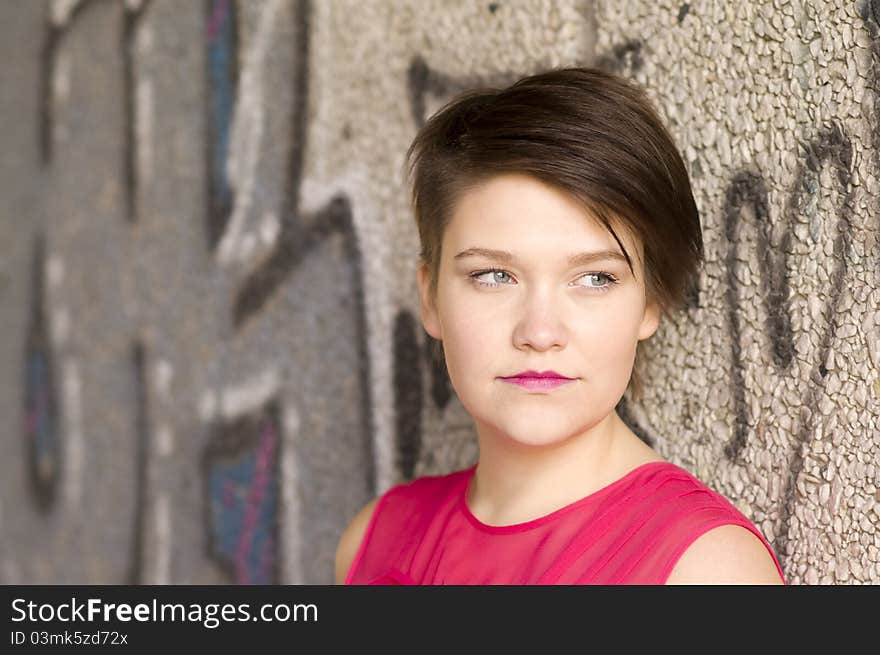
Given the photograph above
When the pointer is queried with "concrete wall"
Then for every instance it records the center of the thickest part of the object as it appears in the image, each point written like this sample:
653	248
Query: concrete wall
212	353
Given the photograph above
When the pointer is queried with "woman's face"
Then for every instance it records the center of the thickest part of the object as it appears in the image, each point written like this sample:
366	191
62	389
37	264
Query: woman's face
554	302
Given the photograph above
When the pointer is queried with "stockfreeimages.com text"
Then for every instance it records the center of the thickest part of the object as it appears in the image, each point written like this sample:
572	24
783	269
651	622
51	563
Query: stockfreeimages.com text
210	615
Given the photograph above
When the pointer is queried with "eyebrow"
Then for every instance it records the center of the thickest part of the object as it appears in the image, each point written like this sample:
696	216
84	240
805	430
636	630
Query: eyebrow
578	259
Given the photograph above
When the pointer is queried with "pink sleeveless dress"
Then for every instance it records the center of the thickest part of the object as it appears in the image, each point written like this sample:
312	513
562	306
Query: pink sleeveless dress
631	531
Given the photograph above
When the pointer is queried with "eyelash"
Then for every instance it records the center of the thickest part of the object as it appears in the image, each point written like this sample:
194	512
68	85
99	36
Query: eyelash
603	289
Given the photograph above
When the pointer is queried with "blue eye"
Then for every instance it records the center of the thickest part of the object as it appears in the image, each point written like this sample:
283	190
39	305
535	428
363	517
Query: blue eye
495	277
610	281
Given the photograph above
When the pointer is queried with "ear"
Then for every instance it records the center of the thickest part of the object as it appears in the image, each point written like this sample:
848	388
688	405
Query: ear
430	319
650	320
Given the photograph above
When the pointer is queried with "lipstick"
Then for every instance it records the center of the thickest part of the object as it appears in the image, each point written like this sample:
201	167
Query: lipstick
538	381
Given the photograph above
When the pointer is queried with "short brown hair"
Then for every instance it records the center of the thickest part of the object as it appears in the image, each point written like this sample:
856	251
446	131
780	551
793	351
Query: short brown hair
591	134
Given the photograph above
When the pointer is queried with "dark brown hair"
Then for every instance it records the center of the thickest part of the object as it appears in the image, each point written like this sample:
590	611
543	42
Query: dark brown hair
589	133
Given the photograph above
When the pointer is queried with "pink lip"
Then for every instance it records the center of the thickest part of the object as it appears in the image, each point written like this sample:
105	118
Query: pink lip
539	381
538	384
539	374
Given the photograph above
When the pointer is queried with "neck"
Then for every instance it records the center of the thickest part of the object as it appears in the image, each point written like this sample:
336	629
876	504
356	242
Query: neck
516	482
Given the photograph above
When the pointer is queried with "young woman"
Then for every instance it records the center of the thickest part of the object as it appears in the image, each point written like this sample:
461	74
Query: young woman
557	226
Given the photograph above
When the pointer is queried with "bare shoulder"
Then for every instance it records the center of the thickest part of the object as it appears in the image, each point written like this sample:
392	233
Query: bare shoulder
728	554
351	539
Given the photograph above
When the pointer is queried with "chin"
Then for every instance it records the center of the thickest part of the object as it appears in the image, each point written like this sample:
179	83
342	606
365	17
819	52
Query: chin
534	429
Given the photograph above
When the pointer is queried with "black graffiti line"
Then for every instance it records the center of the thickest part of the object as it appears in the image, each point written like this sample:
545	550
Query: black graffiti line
830	146
683	11
292	248
441	386
408	394
133	20
748	189
218	206
622	57
46	454
141	463
421	80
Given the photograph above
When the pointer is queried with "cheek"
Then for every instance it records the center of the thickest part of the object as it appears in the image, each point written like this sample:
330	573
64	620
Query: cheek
468	339
471	341
612	333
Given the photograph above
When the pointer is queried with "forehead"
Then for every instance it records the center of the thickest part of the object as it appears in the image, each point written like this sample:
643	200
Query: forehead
518	211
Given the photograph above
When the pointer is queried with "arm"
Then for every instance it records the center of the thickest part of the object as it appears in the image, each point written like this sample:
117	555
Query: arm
728	554
351	539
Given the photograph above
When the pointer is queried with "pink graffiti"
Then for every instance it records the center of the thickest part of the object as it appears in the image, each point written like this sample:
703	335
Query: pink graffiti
264	459
218	15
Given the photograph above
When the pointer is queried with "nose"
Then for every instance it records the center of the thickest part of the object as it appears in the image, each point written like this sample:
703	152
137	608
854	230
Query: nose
540	324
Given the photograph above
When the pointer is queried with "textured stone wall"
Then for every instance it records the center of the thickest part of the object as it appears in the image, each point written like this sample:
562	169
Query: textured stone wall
769	386
212	355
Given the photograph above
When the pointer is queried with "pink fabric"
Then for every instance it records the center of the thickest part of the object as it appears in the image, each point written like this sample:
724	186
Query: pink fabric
630	532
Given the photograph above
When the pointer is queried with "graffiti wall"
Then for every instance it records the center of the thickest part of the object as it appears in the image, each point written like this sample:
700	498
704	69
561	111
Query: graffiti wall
212	355
769	385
